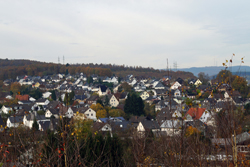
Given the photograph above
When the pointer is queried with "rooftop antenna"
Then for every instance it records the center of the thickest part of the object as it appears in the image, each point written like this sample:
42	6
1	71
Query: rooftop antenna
63	59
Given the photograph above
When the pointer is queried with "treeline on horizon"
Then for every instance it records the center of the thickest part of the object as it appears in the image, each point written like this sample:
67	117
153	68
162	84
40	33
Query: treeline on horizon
10	69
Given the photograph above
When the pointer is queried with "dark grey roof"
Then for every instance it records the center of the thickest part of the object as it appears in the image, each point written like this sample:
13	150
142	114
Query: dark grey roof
53	104
163	115
38	117
150	98
45	125
54	111
159	84
41	100
150	124
120	126
93	98
80	97
16	119
123	95
54	123
103	88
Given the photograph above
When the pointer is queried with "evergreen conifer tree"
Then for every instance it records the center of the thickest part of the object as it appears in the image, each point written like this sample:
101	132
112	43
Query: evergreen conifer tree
35	125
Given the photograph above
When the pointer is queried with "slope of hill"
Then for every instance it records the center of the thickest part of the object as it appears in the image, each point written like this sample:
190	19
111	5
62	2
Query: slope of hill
12	68
214	70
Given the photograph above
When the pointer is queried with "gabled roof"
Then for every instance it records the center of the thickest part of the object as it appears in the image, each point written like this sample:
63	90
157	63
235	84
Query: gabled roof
32	116
234	93
93	98
63	110
54	111
180	80
103	88
175	123
41	100
159	84
80	97
54	123
163	115
195	113
54	104
98	126
84	109
150	124
123	95
15	119
120	126
45	125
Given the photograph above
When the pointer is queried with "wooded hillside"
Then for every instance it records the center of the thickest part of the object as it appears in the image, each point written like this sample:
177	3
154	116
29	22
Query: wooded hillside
13	68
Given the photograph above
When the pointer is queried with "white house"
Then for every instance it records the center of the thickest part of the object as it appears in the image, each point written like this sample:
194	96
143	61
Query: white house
28	120
197	82
51	111
42	102
205	116
90	114
176	114
103	90
177	93
14	121
114	102
46	95
171	127
114	80
175	85
6	109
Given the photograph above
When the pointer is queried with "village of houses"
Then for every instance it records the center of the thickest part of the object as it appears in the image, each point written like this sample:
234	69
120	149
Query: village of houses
173	114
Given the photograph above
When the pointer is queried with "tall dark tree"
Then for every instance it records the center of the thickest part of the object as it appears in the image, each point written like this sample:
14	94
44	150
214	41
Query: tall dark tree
35	125
99	101
36	93
71	97
106	102
90	80
134	105
53	94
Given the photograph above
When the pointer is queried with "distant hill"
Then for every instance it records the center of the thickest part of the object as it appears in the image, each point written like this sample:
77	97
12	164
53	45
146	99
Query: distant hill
214	70
11	68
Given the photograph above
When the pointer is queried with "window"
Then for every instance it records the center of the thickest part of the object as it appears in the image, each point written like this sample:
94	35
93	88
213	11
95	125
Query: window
91	114
87	114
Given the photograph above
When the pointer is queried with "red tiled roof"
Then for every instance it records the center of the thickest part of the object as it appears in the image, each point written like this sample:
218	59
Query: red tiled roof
22	97
194	113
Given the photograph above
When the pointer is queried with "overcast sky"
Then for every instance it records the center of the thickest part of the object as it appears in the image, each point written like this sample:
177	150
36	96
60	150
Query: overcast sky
136	33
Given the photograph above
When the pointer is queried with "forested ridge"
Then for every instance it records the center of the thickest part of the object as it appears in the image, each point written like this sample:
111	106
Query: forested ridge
12	68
